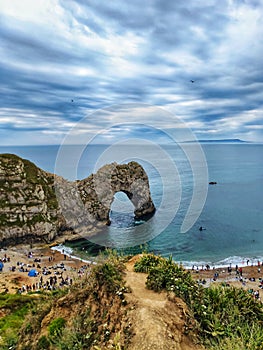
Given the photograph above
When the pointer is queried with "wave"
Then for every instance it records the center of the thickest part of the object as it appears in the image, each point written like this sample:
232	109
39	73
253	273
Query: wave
229	261
69	252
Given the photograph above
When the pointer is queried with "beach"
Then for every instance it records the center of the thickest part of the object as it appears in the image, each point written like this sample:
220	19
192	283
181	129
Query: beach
53	269
248	277
56	268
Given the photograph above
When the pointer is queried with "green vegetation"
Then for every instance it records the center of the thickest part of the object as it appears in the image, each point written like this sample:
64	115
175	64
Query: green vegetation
14	309
109	276
55	330
82	334
56	326
147	262
226	317
43	343
91	314
86	316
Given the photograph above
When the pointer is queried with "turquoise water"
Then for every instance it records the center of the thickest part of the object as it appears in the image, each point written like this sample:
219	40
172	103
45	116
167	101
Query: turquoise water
232	215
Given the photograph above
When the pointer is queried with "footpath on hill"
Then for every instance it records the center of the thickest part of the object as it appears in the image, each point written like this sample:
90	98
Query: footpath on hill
157	320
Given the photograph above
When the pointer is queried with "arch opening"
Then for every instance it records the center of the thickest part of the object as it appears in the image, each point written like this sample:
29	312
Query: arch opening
121	213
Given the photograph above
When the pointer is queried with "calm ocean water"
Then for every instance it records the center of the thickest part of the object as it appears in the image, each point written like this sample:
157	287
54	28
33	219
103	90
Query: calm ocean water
232	215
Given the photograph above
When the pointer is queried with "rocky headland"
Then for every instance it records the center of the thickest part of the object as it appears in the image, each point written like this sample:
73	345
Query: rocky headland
39	206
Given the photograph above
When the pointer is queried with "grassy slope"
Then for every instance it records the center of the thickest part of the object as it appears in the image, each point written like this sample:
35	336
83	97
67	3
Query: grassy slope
93	313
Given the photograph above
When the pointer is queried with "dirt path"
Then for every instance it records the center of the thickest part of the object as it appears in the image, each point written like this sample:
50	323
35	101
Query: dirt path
158	322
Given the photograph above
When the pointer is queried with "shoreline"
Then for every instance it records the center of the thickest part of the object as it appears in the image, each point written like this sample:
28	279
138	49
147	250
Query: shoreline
69	253
60	261
54	269
221	264
250	278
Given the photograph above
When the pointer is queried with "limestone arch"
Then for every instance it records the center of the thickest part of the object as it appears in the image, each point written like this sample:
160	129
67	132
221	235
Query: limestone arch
98	190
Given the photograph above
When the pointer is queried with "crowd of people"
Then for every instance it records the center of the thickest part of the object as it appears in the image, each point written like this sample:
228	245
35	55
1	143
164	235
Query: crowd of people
247	277
40	272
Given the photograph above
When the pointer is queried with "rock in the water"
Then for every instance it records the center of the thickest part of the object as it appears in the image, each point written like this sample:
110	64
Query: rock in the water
38	205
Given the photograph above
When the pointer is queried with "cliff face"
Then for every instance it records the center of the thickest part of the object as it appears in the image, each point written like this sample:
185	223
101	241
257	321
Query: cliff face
28	205
35	204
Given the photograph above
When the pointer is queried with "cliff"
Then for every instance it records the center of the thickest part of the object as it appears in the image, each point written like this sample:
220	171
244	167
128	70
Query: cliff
29	208
37	205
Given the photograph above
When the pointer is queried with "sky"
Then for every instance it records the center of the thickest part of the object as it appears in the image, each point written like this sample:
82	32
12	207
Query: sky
66	63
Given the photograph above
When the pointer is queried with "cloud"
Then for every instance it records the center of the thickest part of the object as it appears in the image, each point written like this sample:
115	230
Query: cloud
61	61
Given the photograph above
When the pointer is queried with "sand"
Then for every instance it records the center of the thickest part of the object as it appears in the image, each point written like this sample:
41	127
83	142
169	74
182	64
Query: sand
233	279
12	281
50	261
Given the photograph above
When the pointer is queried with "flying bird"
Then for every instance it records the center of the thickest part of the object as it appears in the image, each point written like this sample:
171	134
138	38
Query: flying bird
72	100
192	81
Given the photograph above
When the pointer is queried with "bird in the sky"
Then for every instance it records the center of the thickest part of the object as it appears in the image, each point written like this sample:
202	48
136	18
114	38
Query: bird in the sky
192	81
72	100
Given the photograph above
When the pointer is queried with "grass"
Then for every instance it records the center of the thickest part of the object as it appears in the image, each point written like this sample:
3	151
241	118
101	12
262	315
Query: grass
95	305
16	307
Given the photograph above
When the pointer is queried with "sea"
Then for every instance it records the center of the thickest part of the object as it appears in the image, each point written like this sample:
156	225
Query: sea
231	213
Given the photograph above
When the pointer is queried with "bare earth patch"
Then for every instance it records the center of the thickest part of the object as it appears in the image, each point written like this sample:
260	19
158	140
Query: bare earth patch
157	320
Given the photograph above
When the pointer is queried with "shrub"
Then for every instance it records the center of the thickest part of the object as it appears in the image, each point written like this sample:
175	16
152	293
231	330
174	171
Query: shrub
147	262
56	326
43	343
224	312
80	335
109	276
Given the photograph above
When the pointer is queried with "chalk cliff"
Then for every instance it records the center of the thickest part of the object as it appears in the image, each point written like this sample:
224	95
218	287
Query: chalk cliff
37	205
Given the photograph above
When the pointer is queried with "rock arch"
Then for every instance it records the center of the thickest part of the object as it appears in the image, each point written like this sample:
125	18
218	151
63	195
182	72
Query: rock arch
37	205
98	190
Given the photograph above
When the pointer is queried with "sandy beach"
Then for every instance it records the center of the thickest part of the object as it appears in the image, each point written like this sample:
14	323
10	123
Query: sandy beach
53	269
56	269
250	280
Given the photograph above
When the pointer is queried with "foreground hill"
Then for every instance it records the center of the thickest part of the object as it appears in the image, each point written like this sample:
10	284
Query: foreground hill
146	303
110	308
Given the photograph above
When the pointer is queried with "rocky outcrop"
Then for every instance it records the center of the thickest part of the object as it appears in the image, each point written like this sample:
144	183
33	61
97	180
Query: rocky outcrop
86	203
28	204
39	205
